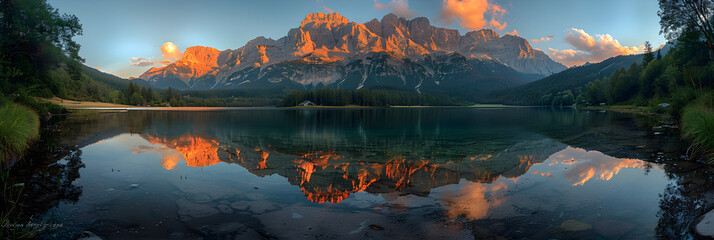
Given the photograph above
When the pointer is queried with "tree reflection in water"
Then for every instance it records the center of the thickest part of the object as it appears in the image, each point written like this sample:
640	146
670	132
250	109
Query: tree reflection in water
39	182
689	197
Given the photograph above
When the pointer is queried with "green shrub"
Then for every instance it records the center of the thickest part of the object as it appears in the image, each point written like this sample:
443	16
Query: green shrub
681	98
41	107
698	126
18	126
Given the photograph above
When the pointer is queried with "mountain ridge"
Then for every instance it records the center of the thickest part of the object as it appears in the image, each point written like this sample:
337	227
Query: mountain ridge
334	42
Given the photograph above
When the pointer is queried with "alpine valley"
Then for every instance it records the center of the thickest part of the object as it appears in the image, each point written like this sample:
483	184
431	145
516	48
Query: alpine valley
328	50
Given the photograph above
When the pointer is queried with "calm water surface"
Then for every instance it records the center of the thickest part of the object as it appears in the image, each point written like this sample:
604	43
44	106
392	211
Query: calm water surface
425	173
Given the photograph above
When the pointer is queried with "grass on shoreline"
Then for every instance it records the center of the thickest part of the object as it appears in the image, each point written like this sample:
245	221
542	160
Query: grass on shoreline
698	126
18	126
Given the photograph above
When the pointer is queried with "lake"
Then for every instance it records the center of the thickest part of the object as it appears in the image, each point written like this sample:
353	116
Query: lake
397	173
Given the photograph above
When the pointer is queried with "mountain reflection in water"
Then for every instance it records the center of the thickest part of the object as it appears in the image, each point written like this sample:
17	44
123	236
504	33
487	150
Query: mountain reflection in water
326	176
418	173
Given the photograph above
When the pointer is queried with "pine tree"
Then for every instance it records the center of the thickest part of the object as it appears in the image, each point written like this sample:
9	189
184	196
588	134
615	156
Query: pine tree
648	54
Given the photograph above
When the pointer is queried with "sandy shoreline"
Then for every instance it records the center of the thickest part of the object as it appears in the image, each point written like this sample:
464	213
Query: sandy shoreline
71	104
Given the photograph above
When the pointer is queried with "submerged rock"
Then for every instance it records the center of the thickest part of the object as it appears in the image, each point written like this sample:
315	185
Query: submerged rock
613	229
225	209
705	225
574	226
195	210
376	227
239	205
199	198
230	230
87	235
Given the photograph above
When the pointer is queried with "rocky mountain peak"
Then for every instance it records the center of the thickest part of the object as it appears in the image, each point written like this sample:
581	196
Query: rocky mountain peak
392	19
320	17
201	54
482	35
420	22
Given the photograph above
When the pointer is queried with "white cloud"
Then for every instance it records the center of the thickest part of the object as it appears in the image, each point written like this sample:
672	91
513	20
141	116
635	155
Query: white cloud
398	7
514	32
324	7
590	49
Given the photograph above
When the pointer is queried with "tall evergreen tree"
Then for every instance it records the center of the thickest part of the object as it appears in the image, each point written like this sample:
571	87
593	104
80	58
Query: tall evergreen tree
648	54
33	39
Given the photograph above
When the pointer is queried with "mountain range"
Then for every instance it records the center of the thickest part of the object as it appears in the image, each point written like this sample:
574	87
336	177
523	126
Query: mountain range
328	50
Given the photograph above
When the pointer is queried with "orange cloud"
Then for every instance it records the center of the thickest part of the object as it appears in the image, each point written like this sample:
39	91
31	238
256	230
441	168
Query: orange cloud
398	7
472	14
542	39
514	32
170	51
590	49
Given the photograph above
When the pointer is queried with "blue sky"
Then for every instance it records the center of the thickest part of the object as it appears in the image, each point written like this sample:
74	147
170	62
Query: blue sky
117	31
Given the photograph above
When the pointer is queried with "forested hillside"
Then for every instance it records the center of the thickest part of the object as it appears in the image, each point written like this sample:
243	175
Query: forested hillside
544	91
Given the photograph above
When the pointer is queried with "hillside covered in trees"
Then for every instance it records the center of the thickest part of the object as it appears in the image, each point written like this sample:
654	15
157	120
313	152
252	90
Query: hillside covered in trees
568	82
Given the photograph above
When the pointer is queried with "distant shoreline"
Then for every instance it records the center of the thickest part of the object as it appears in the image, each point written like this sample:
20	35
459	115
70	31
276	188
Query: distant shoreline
86	105
623	109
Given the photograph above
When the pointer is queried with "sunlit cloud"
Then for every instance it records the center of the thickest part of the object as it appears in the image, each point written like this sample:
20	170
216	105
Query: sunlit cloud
143	62
398	7
590	49
542	39
473	14
514	32
169	52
